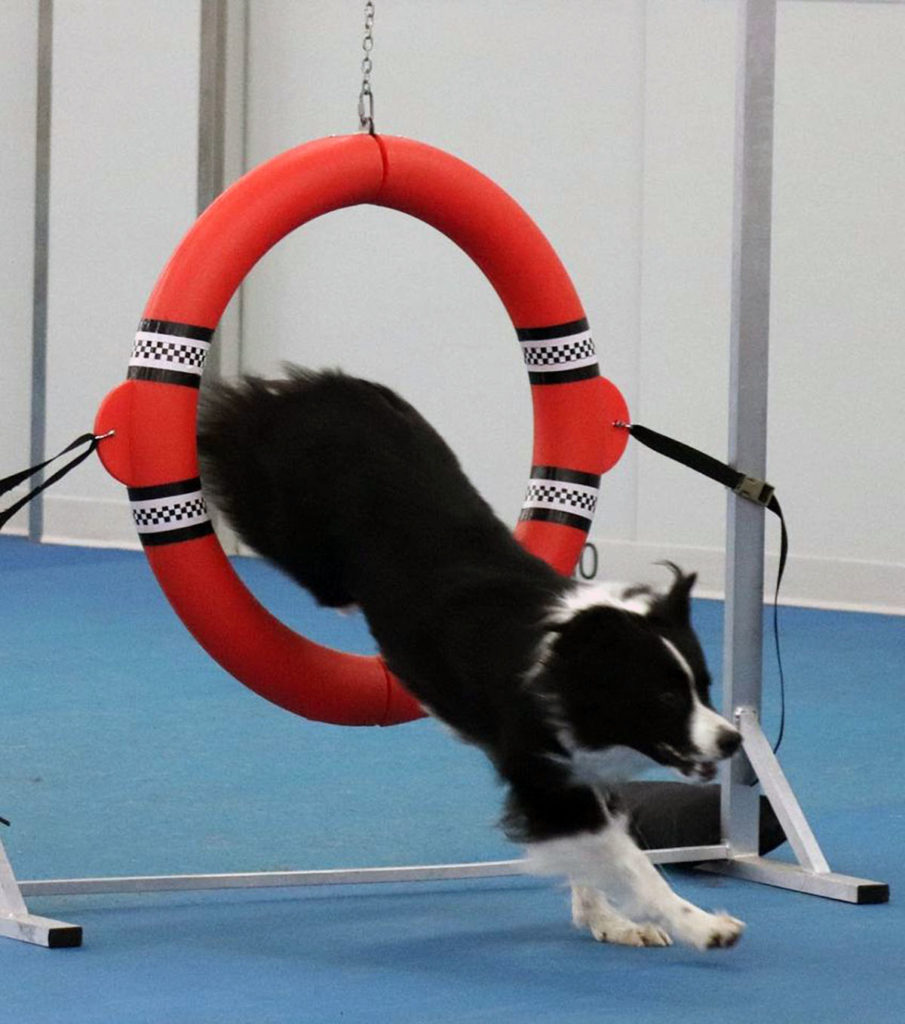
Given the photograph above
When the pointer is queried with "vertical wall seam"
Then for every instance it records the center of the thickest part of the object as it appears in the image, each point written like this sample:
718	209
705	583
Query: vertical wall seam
38	415
218	22
211	122
640	268
211	102
243	146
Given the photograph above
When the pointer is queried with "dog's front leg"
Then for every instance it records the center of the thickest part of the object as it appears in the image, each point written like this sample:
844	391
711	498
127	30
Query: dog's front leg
592	910
609	860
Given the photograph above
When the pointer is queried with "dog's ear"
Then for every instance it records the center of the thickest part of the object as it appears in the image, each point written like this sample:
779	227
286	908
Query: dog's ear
675	605
591	618
594	629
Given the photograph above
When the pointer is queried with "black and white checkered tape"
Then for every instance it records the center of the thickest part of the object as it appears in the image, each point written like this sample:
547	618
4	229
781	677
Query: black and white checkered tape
169	513
559	354
169	353
561	496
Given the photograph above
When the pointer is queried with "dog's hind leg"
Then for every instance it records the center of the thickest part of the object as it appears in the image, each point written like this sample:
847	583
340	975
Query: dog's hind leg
592	910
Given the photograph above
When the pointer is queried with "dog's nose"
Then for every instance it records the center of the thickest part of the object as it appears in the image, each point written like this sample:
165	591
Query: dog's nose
729	741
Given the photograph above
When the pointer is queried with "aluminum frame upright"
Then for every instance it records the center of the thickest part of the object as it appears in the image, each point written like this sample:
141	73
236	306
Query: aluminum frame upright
748	387
748	376
43	111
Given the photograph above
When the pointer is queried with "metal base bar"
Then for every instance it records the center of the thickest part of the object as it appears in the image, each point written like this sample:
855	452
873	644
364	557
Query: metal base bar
335	876
41	931
269	879
17	923
800	879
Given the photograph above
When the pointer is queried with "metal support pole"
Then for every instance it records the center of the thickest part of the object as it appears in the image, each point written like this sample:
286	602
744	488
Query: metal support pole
222	80
748	378
749	348
221	156
211	120
212	101
40	259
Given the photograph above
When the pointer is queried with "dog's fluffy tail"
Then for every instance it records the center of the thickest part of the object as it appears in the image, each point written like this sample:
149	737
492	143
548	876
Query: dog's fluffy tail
239	445
289	462
262	443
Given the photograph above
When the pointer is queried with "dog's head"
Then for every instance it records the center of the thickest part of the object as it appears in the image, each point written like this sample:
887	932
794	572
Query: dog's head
624	669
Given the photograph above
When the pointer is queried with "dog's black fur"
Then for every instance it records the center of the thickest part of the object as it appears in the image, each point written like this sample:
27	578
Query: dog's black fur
343	485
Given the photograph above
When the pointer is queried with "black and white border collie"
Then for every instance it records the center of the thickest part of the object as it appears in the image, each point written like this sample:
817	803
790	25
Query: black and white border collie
564	685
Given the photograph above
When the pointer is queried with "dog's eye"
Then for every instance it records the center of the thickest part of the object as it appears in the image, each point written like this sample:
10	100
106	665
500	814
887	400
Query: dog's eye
672	701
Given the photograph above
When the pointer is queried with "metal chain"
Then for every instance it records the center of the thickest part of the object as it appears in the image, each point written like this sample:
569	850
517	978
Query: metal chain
366	97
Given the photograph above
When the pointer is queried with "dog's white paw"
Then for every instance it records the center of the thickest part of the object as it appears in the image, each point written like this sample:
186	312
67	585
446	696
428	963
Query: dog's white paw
702	930
630	934
590	910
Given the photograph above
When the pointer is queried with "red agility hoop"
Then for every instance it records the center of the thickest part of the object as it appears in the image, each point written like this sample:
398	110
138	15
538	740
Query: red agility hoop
153	412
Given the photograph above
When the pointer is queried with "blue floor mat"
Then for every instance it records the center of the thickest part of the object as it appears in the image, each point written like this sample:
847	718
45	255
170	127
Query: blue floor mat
124	749
468	952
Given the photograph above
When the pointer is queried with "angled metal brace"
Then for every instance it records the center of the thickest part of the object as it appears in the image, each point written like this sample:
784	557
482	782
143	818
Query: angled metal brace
812	873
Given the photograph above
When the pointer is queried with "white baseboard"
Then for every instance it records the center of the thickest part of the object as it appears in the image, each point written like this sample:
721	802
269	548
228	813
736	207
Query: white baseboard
810	581
81	522
18	525
101	523
89	522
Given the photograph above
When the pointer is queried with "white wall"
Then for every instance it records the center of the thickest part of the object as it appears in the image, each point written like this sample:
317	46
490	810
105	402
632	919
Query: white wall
682	358
18	95
838	325
612	124
123	181
122	191
547	108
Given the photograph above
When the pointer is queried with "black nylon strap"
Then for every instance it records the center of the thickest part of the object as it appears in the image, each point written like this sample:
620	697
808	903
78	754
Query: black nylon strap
758	491
688	456
9	482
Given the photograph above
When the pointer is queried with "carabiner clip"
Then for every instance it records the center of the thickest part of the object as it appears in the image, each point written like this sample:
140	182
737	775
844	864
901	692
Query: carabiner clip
366	110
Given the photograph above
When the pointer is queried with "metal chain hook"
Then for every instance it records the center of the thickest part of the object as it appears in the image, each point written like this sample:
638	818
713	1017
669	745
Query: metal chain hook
366	96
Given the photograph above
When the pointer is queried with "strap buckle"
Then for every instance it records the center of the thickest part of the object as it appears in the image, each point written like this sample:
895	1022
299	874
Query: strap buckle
758	491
